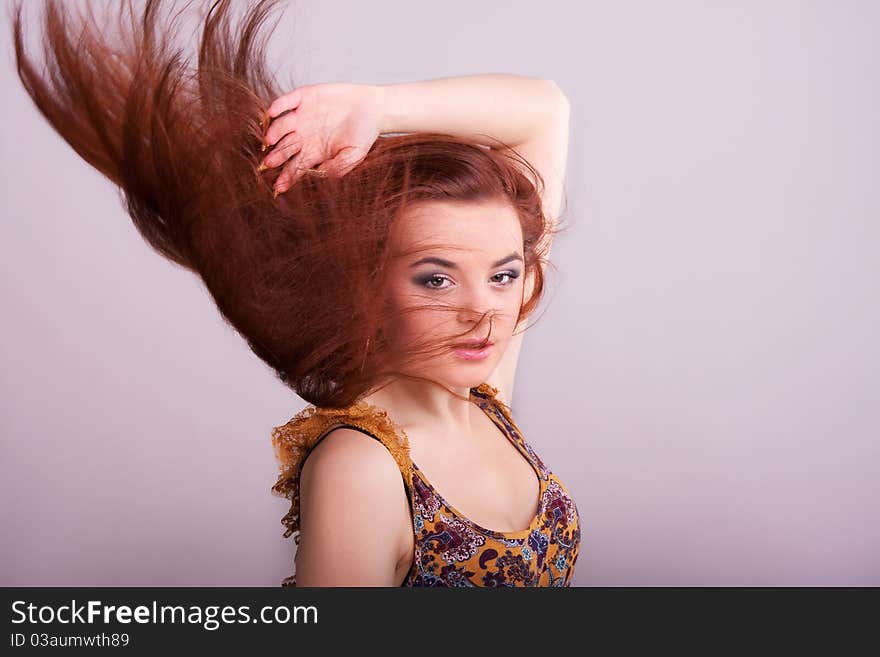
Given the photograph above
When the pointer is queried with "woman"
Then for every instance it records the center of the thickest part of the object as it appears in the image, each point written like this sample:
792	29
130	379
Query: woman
380	247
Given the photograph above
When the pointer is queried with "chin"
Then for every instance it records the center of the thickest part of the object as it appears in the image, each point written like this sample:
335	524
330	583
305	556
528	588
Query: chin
465	374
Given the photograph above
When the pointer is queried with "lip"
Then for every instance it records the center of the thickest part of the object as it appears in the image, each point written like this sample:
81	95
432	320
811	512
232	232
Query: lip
473	343
468	352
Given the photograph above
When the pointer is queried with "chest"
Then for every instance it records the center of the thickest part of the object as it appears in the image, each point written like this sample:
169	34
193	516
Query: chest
485	476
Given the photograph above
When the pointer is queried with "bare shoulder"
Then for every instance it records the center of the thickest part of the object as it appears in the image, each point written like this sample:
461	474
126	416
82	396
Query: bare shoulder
350	485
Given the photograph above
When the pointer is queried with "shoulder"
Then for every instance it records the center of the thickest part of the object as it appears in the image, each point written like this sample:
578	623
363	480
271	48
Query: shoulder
350	460
350	483
341	470
363	428
354	513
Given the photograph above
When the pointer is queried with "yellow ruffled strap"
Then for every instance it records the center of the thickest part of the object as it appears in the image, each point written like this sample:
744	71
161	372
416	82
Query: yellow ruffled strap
491	392
294	440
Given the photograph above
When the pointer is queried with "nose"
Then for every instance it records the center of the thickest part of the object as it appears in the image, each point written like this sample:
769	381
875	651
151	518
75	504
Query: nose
474	306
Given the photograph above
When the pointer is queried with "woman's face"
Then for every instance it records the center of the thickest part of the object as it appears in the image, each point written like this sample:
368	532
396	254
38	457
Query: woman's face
454	253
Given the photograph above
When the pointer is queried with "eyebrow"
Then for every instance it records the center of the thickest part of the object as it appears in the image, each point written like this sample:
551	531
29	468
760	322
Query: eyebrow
448	263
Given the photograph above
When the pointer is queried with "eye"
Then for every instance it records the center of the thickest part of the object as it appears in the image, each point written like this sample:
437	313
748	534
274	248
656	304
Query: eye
435	281
512	276
433	278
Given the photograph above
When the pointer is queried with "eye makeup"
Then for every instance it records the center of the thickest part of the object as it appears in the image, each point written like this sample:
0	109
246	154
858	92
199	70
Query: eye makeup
426	280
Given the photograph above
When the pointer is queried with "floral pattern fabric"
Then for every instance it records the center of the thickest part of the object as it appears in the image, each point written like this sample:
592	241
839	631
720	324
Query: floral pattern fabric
450	549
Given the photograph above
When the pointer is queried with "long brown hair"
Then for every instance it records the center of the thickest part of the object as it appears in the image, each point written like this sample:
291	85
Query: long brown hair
296	276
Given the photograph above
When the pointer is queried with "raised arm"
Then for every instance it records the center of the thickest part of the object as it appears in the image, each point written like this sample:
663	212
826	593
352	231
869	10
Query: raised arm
529	114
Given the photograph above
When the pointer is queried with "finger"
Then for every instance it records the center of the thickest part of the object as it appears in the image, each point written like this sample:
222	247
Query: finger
344	161
294	169
289	145
279	128
285	102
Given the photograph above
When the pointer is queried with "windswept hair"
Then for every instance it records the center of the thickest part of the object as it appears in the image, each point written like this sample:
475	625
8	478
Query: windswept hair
296	276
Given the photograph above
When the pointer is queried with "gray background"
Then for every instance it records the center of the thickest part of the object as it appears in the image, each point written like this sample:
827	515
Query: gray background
705	378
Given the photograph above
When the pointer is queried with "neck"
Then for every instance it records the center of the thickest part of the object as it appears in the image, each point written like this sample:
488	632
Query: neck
418	403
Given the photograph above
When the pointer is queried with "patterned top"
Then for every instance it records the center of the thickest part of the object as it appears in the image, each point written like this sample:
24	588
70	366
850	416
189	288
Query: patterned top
450	549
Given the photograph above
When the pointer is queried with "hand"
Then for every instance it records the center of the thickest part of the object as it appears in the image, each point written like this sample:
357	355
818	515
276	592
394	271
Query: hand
333	125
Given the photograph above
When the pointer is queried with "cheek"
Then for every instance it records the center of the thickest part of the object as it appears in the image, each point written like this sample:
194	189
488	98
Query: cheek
409	320
422	323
